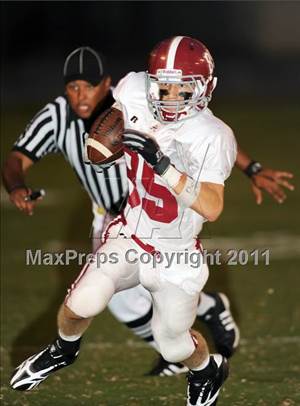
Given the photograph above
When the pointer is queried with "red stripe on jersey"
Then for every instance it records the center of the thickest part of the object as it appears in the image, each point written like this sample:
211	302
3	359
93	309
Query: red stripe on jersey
146	247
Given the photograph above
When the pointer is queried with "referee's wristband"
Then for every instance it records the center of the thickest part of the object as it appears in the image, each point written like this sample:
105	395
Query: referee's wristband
253	169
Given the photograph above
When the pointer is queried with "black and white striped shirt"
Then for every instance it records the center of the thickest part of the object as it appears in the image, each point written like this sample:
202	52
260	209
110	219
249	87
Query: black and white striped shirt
57	129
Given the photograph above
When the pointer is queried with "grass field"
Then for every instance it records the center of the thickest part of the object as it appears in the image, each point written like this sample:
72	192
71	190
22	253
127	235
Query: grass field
266	369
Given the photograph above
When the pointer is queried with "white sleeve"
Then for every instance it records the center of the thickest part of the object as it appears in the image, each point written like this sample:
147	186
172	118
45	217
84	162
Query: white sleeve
216	163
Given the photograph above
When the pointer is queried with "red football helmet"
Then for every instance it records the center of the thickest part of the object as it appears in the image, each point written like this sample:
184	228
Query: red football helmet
185	62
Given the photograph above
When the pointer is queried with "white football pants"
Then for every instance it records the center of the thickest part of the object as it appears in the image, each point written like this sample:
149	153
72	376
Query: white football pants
175	293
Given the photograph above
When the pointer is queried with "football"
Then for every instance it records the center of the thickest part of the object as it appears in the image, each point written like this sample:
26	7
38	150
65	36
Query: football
104	143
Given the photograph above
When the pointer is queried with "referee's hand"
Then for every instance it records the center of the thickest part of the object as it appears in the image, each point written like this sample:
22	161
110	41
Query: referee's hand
18	198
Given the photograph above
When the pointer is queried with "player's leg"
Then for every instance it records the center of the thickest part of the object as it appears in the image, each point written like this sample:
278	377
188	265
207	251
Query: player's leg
206	374
214	310
87	297
174	312
132	307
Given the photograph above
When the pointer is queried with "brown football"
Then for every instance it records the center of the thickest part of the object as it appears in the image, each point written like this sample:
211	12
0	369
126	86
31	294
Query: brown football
104	143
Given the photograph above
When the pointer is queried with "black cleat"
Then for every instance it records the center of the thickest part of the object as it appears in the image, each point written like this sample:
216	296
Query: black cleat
165	368
222	326
204	386
38	367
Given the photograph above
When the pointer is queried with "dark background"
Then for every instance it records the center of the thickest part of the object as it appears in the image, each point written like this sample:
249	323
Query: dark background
256	45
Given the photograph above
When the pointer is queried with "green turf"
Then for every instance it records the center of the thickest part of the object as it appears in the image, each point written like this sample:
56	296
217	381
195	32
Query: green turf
264	372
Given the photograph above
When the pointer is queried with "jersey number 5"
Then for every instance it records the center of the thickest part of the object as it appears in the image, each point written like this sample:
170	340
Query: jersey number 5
169	209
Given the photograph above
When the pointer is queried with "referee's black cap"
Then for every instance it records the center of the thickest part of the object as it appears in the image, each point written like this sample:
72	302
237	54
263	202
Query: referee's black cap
84	63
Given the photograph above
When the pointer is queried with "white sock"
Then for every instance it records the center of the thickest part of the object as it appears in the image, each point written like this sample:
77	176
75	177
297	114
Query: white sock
206	302
69	338
202	365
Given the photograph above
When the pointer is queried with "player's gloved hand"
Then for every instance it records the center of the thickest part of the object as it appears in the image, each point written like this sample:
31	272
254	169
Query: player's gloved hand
148	148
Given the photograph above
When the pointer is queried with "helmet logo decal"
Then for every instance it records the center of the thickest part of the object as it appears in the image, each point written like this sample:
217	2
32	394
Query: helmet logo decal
169	74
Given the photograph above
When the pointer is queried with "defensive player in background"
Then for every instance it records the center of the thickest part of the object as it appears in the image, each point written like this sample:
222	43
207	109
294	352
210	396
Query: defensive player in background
58	128
172	98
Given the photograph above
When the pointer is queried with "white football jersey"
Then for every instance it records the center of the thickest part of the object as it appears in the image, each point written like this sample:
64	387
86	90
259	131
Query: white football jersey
203	147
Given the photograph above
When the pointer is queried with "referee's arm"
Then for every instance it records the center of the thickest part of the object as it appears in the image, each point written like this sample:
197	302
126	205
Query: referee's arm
13	174
38	139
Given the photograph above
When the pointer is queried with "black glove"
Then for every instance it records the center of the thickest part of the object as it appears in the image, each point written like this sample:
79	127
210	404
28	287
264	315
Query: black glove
148	148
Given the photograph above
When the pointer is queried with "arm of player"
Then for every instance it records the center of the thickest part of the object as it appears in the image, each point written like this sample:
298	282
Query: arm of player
264	179
204	197
13	174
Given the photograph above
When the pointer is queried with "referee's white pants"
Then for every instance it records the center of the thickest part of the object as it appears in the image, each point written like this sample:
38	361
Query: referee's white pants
174	306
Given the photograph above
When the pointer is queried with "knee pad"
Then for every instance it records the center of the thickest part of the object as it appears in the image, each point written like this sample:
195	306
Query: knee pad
88	300
176	349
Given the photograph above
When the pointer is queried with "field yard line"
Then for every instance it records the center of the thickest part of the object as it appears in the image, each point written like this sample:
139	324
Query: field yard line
281	245
244	341
284	340
271	340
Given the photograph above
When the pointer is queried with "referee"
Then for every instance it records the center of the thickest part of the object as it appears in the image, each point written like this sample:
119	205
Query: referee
61	127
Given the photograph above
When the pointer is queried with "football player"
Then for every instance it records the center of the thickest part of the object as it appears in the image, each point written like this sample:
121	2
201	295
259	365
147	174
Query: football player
59	128
178	155
179	198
